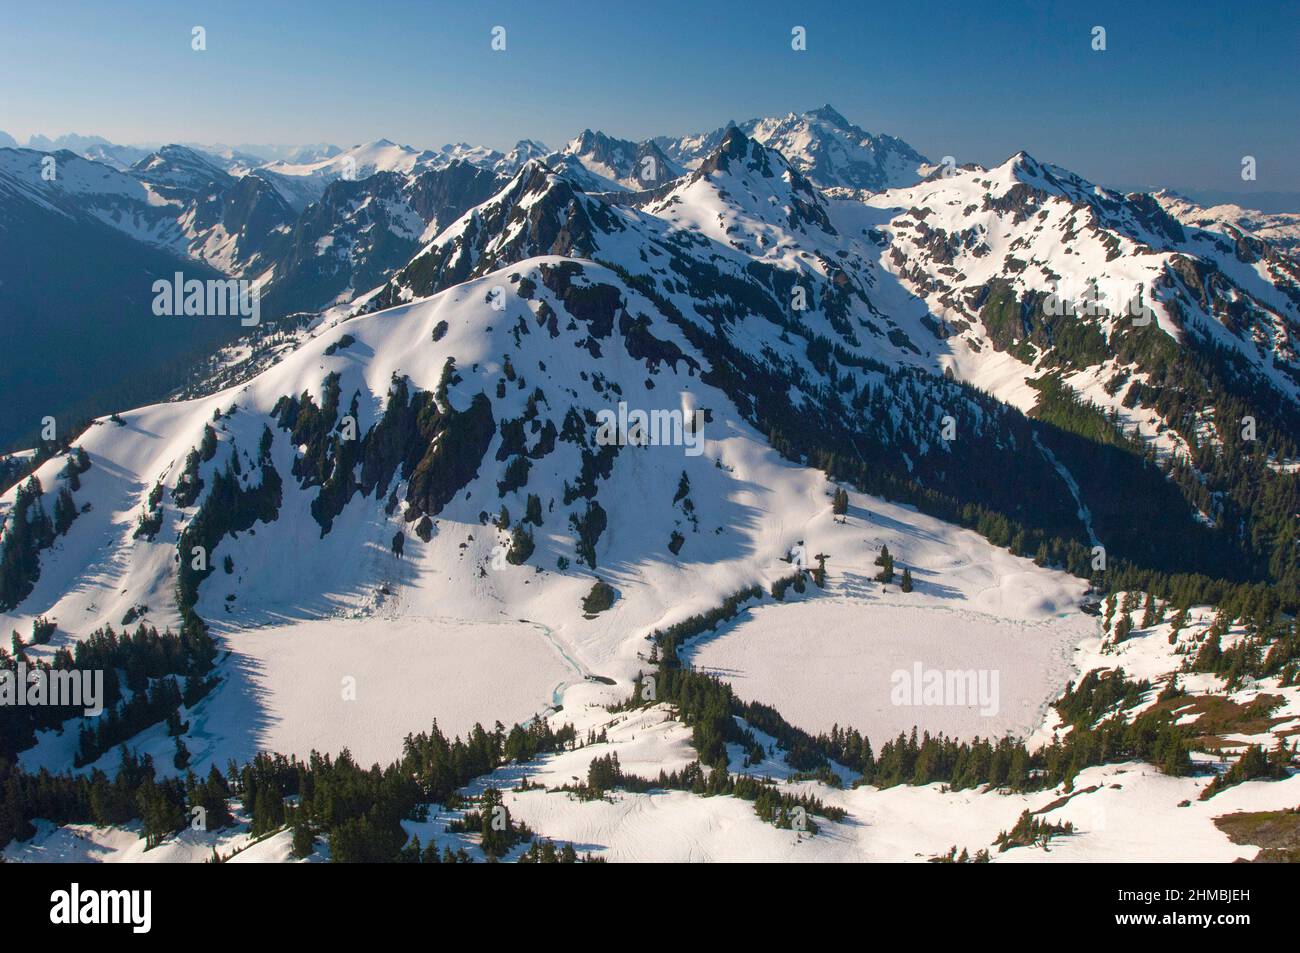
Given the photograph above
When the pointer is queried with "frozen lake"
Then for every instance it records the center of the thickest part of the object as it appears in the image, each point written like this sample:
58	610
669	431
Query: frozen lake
825	662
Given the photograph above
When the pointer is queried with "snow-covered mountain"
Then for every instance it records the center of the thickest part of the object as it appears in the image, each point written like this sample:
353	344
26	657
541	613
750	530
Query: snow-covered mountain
934	268
360	231
523	151
611	164
1011	259
486	392
564	428
78	255
301	183
960	274
72	142
821	144
238	159
312	152
728	248
174	199
359	162
1279	228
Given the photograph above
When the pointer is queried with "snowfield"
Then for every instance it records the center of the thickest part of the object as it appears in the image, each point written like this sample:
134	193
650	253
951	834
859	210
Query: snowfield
839	663
366	684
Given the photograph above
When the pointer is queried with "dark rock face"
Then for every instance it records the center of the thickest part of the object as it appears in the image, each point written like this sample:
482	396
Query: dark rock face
441	196
737	147
642	162
1154	218
556	218
458	441
438	449
371	228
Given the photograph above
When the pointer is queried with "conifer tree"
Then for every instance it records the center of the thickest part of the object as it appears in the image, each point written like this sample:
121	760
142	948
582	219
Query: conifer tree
1149	615
521	546
533	510
65	511
411	852
304	843
886	563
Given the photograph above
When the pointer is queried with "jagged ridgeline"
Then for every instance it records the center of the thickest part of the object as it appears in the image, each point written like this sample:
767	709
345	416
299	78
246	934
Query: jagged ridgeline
879	424
820	316
315	240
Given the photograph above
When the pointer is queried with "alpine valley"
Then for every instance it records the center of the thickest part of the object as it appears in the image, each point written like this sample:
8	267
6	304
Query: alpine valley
950	513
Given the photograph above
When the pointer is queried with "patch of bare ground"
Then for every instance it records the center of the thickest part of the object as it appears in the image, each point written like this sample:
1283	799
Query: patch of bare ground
1276	833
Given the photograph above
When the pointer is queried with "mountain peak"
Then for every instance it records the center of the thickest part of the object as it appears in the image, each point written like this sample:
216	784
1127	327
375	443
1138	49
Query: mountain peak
733	140
586	140
822	144
175	164
1023	159
599	162
1024	169
735	145
830	114
535	166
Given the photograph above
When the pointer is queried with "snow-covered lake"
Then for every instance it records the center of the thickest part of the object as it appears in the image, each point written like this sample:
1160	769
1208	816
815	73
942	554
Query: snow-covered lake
403	673
362	684
826	662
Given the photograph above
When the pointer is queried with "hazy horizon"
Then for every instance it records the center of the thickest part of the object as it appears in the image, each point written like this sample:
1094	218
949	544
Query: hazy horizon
979	86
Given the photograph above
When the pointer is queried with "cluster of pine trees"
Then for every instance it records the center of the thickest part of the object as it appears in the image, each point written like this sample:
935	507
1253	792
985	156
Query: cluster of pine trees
1030	831
230	507
980	856
163	805
357	810
545	852
1267	650
1254	764
600	598
668	640
160	701
498	832
145	662
27	531
782	809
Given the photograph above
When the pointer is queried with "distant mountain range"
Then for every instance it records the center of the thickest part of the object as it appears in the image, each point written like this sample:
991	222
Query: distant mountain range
915	268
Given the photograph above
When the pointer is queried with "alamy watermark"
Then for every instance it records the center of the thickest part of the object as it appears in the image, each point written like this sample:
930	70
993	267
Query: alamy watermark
133	908
655	428
61	688
1095	297
936	687
213	297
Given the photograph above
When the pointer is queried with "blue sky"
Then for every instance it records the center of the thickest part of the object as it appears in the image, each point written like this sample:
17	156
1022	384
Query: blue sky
1182	92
